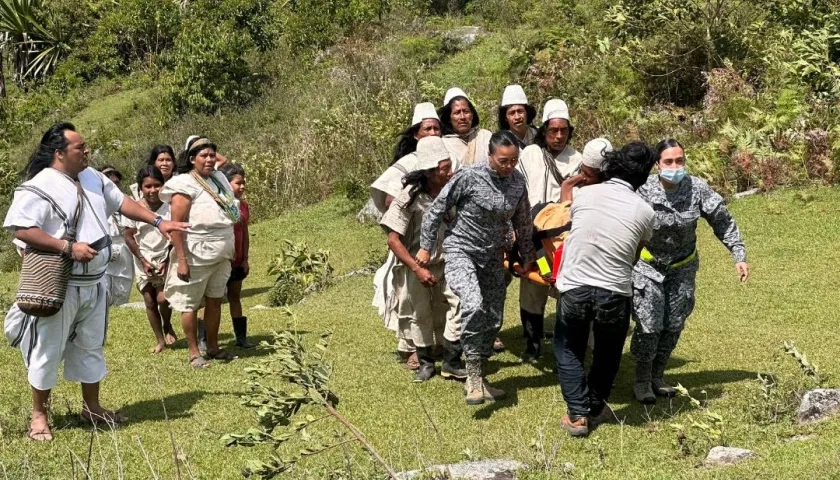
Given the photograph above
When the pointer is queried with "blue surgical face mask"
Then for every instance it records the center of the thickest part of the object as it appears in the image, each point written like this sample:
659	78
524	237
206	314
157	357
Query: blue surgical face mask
673	175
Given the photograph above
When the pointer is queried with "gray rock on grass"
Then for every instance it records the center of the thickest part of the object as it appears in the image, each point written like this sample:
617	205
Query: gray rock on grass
719	456
478	470
464	35
819	404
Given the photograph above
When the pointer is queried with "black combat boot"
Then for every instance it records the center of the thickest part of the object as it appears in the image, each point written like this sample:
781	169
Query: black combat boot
453	366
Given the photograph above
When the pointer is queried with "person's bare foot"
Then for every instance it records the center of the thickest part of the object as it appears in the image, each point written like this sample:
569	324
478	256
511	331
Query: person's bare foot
170	336
158	348
111	417
39	428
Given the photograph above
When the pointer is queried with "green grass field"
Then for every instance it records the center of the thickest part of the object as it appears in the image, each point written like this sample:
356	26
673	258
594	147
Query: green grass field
736	332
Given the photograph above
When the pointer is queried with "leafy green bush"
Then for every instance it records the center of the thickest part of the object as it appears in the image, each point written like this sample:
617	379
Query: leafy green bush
298	270
316	24
212	69
131	32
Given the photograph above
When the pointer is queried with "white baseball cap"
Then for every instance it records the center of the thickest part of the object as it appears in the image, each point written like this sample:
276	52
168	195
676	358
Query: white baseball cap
555	108
452	93
593	152
430	152
423	111
514	95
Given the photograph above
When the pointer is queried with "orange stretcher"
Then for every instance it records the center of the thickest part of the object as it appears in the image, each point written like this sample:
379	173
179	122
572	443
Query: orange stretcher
551	227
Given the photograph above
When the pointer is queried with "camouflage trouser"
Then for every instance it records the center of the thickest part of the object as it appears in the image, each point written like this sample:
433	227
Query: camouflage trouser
660	310
482	293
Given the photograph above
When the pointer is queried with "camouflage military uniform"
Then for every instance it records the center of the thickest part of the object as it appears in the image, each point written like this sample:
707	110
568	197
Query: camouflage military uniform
663	296
484	203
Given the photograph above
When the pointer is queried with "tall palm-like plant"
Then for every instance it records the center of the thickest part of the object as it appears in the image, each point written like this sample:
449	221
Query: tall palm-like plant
33	38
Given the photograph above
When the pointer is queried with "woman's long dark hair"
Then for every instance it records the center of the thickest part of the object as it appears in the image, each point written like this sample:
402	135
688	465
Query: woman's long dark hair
445	115
530	115
406	144
540	138
182	164
632	164
52	140
157	150
665	145
419	181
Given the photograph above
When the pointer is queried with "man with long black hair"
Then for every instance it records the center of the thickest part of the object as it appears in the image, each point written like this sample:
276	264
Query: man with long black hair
42	212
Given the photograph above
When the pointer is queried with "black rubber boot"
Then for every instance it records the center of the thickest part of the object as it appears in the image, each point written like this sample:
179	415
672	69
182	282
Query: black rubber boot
425	355
202	336
642	389
240	330
532	325
453	366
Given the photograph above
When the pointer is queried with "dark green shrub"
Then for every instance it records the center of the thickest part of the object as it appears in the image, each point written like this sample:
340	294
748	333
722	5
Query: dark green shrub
211	68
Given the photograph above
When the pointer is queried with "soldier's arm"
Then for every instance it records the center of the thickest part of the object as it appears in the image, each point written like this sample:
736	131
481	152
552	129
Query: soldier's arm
432	219
713	209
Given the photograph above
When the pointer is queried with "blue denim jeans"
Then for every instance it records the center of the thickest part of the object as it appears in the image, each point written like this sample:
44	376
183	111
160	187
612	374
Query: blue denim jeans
609	315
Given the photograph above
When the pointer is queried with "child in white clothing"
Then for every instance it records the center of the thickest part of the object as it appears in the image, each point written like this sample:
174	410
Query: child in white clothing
151	257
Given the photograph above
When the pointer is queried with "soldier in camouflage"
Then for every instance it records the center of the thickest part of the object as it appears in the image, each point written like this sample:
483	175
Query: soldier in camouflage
485	197
664	278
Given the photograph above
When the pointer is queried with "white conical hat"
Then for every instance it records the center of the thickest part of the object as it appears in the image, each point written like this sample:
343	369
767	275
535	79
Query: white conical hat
514	95
555	108
431	151
452	93
593	152
422	111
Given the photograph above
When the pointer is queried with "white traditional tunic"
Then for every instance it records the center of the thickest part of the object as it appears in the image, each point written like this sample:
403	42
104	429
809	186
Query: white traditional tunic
153	246
390	183
474	149
120	272
543	187
423	314
530	137
209	243
76	334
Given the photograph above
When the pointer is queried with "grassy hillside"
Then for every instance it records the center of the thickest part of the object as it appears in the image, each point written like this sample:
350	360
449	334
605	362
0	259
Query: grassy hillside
311	95
736	333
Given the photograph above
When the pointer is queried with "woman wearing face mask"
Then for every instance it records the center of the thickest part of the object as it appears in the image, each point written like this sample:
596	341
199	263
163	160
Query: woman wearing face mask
516	115
486	198
664	278
461	134
546	165
424	123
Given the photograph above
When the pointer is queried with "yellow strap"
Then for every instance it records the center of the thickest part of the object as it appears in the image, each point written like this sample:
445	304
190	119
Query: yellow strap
542	263
647	257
